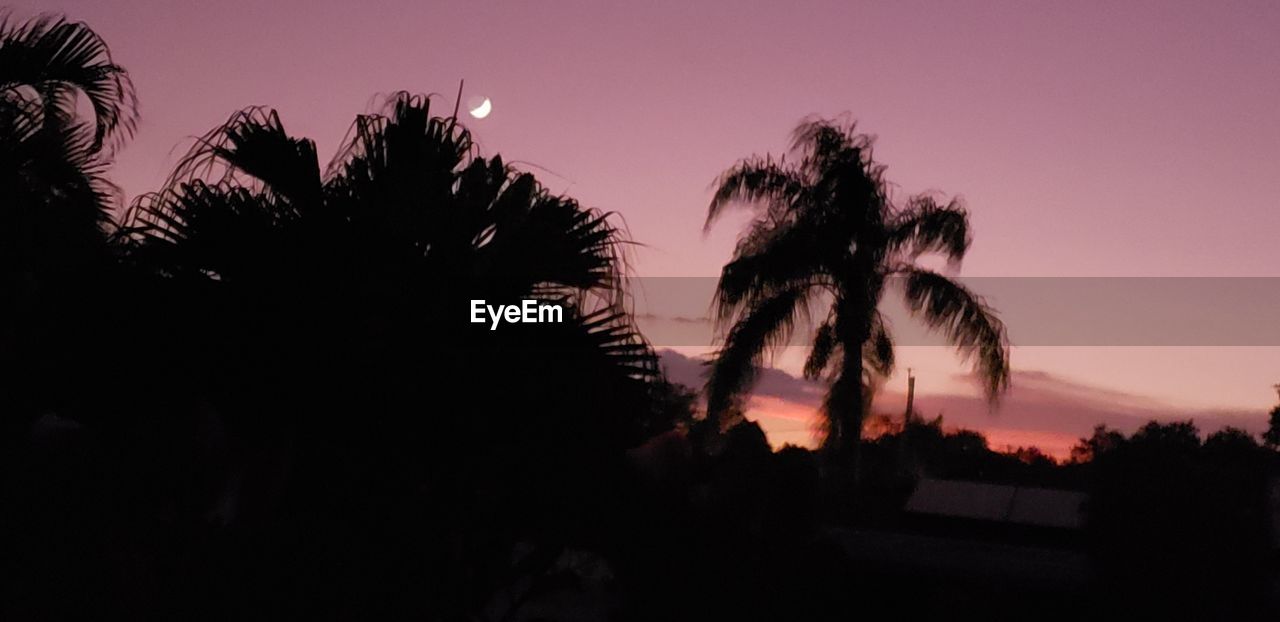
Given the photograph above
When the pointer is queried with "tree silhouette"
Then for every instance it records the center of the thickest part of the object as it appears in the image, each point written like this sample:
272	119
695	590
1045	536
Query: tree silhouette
55	268
406	215
1163	506
828	232
1271	437
57	201
1231	442
52	163
324	314
1103	440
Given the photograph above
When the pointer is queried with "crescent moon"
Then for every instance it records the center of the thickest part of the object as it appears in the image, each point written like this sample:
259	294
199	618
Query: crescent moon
483	109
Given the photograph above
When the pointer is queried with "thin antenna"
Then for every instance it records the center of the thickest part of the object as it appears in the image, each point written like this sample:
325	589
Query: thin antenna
457	103
1277	388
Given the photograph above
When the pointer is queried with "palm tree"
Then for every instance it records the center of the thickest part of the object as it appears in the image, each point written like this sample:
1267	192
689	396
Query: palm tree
828	232
51	162
55	201
310	289
328	306
407	212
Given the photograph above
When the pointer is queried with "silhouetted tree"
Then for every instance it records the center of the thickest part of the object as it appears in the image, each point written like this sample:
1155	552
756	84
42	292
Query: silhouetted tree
1164	506
674	406
1103	439
925	448
1231	441
58	487
381	252
1177	438
1033	456
828	231
324	313
1271	437
56	200
52	162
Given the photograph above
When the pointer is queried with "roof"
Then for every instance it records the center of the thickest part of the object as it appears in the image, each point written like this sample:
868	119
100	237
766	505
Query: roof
1022	505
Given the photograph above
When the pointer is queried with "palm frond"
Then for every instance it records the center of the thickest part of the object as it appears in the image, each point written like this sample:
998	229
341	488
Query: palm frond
288	167
552	241
825	345
877	352
56	57
404	146
57	198
253	150
213	231
766	324
818	139
966	320
757	181
926	227
771	258
826	150
614	336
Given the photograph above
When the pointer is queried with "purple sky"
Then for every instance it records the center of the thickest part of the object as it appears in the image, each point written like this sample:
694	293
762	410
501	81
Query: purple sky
1088	139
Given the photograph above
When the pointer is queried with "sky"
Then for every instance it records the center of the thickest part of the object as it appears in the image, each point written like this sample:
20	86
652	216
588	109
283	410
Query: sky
1087	139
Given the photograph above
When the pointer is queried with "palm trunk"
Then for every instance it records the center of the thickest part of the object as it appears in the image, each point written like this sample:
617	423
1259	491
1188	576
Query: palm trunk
849	409
844	418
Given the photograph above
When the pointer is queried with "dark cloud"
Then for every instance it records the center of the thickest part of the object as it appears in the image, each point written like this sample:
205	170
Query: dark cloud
772	382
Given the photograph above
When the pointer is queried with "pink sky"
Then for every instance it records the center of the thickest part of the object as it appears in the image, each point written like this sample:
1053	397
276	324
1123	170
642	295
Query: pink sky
1087	138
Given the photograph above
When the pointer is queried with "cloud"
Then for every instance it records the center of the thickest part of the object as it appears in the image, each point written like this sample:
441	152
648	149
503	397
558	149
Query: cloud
772	382
1041	408
678	319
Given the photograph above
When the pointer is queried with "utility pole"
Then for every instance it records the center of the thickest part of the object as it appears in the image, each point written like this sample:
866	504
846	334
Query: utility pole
911	398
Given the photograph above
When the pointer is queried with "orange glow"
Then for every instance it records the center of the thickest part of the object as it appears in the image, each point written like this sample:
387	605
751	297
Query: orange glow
1055	444
784	422
790	423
